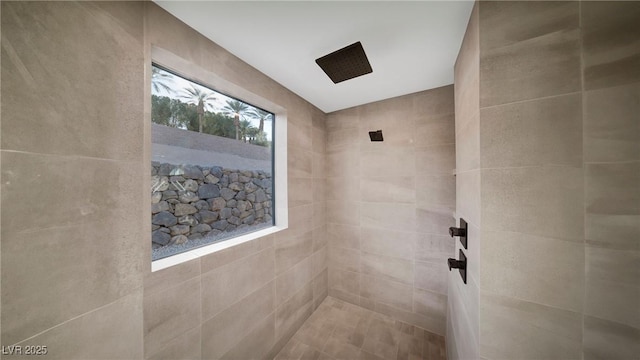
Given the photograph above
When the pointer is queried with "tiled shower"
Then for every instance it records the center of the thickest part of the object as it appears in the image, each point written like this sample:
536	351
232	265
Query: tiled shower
536	145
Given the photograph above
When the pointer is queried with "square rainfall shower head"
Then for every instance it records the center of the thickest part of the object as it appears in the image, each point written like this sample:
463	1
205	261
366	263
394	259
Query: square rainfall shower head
376	135
346	63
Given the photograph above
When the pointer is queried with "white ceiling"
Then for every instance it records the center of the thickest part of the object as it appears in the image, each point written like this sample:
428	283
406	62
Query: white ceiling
412	46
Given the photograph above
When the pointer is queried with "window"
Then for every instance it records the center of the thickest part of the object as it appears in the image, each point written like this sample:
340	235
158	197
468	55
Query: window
212	173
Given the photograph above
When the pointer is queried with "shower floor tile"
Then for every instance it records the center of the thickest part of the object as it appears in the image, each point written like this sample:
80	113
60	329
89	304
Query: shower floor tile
339	330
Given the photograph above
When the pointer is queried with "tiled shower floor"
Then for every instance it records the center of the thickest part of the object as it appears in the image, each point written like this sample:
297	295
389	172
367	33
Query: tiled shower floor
339	330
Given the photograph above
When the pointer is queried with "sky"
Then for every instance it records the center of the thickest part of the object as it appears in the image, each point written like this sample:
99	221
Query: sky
178	83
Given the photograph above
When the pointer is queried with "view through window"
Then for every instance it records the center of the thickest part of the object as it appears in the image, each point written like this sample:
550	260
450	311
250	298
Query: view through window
212	165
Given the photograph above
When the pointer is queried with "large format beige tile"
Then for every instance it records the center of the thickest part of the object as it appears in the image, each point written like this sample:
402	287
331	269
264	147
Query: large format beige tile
229	255
433	248
391	268
343	212
185	346
538	132
541	201
343	188
611	124
435	160
226	285
224	330
434	220
395	161
299	191
292	280
386	291
344	258
531	268
169	277
612	287
610	43
291	251
343	164
51	223
467	149
391	216
437	130
291	314
434	102
391	189
48	65
467	196
607	340
169	313
118	336
258	344
467	75
431	276
543	66
344	236
524	330
436	190
344	281
388	242
300	164
509	22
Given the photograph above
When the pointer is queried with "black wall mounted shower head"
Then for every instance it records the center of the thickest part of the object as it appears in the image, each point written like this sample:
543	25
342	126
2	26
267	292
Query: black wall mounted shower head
376	135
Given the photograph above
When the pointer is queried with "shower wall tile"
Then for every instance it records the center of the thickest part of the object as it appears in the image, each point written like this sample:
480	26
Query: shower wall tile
541	201
224	330
169	313
289	252
611	44
532	268
605	339
185	346
387	267
546	65
539	132
611	124
612	288
518	329
291	281
386	291
435	160
388	189
258	344
345	236
400	244
226	285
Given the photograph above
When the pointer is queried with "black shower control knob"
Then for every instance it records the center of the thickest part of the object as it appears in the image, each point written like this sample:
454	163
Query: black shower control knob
454	231
456	264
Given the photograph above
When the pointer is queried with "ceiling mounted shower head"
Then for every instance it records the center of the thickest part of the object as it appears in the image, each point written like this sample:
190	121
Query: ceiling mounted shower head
376	135
346	63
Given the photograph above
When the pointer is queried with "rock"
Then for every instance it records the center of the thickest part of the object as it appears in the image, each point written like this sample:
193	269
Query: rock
160	238
213	232
224	180
180	230
201	228
267	218
169	195
260	213
260	196
173	202
236	186
251	197
249	220
164	218
154	170
210	179
187	197
165	169
202	205
235	212
173	179
217	203
160	183
179	239
257	206
233	177
208	191
189	172
266	184
246	214
241	195
188	220
184	209
234	220
208	217
206	171
194	236
190	185
155	227
243	226
230	228
164	230
216	171
244	179
243	205
250	187
156	197
220	225
225	213
227	193
161	206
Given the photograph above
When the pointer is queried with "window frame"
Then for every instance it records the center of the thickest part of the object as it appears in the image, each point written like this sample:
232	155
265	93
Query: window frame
197	74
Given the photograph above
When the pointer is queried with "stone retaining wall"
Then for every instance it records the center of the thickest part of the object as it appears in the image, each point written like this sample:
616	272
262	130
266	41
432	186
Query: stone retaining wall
190	202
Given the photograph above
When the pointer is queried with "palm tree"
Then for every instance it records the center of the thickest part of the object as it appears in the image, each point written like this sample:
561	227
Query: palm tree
201	98
262	116
161	80
237	109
